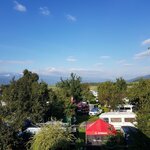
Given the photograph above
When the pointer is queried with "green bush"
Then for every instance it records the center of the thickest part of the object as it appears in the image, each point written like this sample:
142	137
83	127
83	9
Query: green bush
51	137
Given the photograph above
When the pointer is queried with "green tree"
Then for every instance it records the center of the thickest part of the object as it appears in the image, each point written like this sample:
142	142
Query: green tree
121	90
67	106
28	98
25	98
71	87
8	138
51	137
139	95
86	93
105	90
121	84
55	105
70	91
112	93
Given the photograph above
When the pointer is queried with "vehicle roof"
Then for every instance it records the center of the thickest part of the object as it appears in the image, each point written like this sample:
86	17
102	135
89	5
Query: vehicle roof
96	108
33	129
116	114
128	129
126	105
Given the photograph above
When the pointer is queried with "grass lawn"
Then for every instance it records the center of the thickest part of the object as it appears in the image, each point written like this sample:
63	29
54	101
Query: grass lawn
86	118
53	87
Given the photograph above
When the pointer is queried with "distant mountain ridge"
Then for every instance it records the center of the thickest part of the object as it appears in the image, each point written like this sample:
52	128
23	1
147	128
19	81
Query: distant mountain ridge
5	78
138	78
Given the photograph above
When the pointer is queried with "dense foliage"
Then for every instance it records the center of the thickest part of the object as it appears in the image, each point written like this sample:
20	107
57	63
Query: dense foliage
86	93
69	91
110	94
71	87
28	102
26	98
139	95
51	137
7	137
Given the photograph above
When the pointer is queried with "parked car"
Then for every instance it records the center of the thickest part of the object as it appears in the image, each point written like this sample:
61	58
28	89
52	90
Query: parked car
135	138
95	111
33	130
83	108
126	108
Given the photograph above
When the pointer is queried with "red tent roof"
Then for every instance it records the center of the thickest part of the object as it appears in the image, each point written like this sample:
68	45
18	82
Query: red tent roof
100	127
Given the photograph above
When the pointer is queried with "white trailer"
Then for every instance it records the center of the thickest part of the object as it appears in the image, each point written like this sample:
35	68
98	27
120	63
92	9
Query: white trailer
118	119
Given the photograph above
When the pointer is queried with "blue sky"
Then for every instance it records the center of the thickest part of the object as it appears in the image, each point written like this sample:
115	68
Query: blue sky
92	38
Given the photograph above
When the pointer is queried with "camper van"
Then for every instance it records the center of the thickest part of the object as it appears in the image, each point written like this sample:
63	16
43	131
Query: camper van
126	108
118	119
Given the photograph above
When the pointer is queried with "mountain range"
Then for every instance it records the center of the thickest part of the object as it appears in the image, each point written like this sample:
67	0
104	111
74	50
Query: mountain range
5	78
138	78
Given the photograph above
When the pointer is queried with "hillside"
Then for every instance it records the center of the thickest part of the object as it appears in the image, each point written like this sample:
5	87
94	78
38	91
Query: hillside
138	78
5	78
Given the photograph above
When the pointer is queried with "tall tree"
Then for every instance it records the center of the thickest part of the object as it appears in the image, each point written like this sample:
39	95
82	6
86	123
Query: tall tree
121	89
112	93
28	98
139	95
71	87
55	105
86	93
105	92
70	92
121	84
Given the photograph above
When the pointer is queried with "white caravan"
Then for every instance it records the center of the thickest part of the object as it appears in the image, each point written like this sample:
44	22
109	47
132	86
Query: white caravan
118	119
126	108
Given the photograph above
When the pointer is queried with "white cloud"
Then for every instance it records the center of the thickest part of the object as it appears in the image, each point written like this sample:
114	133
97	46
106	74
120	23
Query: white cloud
6	75
105	57
66	71
123	62
142	54
19	62
145	42
19	7
71	18
44	11
51	69
71	59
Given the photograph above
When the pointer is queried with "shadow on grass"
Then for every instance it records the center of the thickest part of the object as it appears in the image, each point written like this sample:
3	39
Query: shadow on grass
86	118
82	118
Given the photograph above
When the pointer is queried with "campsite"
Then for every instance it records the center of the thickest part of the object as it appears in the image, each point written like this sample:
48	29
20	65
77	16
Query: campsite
74	74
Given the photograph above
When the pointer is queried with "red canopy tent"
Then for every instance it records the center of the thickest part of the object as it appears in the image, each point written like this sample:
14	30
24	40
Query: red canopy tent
99	132
100	127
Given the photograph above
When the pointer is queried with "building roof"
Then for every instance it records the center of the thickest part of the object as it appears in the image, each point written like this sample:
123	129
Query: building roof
109	114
